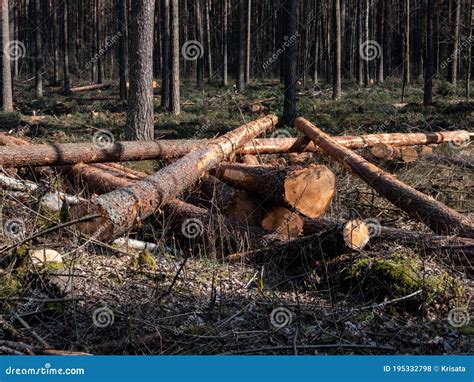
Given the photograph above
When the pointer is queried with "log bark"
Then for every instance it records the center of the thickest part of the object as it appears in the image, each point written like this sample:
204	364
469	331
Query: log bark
337	240
72	153
182	218
438	217
306	190
87	88
386	152
122	208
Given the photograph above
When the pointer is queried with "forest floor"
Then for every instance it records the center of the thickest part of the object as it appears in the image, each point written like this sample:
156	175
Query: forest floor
107	302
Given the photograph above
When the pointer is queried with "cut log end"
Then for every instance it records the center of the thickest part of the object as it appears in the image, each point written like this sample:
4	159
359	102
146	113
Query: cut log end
283	222
242	208
310	190
356	234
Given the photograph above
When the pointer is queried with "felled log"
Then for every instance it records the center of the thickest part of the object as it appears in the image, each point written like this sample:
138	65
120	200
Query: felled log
86	88
236	204
440	218
459	249
72	153
386	152
337	240
283	222
122	208
9	140
306	190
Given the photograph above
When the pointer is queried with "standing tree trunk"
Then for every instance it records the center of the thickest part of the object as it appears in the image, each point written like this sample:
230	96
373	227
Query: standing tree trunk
242	50
337	82
225	53
456	51
209	40
54	27
380	38
291	61
429	67
367	41
122	48
249	34
38	52
165	55
360	41
140	105
98	23
407	66
175	106
67	80
200	38
6	79
469	50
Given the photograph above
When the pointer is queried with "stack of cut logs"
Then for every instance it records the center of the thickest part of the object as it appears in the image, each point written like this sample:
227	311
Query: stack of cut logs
253	211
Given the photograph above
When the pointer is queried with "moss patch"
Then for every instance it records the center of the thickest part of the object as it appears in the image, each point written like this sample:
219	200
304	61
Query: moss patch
9	286
401	274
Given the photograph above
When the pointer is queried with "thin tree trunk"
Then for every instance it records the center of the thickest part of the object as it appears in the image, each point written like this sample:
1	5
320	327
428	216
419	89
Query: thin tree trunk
225	63
122	48
242	49
456	37
429	66
291	61
6	74
66	79
337	81
175	106
469	50
38	51
249	34
165	44
200	38
208	40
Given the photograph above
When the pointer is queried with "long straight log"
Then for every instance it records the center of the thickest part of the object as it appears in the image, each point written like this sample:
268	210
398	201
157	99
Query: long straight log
86	88
307	190
440	218
122	208
72	153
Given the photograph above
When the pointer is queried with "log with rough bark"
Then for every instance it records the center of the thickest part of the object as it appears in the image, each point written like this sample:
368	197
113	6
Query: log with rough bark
72	153
283	222
122	208
236	204
440	218
386	152
307	190
184	219
338	239
87	88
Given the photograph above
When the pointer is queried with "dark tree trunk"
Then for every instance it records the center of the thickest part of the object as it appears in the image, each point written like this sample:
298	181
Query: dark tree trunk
291	61
175	106
200	38
66	79
122	48
38	52
242	50
337	82
249	33
165	54
140	105
429	69
469	50
225	63
455	53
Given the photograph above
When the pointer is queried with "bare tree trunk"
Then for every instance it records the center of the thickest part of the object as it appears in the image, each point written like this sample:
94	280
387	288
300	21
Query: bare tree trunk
456	52
337	82
200	38
380	38
225	75
98	26
175	106
38	52
242	50
291	61
249	34
165	44
208	40
469	50
407	65
360	41
140	105
54	27
6	75
67	80
429	66
122	48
